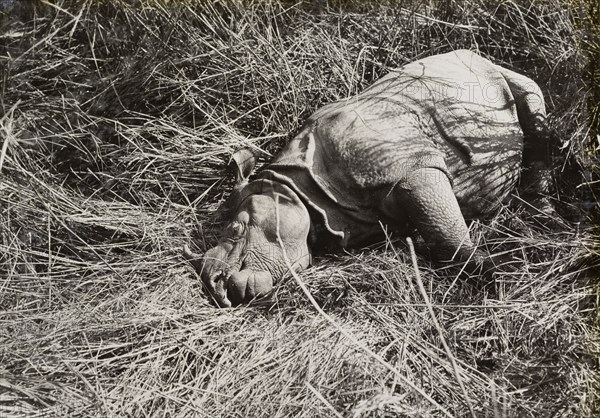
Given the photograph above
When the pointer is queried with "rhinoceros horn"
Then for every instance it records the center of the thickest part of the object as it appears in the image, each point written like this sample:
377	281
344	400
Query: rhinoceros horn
214	280
216	286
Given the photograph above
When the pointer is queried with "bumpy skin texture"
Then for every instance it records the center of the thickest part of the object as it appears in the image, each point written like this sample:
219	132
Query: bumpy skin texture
430	144
269	223
363	161
247	285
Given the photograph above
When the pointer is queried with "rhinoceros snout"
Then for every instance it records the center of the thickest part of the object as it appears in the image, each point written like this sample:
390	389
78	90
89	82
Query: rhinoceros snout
216	285
215	282
245	285
214	274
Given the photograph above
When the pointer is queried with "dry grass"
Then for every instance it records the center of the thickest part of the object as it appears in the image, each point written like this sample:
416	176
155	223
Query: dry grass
118	119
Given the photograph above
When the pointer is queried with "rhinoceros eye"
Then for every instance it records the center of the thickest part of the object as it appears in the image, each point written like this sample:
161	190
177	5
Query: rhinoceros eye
236	229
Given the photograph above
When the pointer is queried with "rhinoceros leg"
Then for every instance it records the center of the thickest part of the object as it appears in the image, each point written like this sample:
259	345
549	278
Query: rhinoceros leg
536	180
429	202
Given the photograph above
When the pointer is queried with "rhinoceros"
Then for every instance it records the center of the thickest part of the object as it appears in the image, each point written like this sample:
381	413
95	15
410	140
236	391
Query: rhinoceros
434	142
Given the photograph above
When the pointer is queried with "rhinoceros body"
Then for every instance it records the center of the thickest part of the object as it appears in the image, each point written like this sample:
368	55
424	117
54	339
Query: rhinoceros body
428	145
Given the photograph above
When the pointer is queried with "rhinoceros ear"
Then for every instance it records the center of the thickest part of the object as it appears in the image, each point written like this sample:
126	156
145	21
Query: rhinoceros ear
243	162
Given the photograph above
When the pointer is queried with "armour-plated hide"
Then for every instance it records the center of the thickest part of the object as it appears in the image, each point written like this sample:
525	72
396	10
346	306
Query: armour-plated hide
428	145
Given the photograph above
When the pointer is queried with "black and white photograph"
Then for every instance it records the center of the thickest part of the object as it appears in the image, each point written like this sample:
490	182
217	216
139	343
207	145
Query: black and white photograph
300	208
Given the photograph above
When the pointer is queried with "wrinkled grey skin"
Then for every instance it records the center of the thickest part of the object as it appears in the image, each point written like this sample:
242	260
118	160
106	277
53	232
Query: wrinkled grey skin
430	144
249	253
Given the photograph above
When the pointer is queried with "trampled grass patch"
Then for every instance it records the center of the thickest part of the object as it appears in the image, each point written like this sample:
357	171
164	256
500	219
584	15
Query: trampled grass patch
118	121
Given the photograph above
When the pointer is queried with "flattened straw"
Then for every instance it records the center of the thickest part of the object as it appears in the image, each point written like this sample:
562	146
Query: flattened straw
6	126
322	399
4	149
345	333
438	328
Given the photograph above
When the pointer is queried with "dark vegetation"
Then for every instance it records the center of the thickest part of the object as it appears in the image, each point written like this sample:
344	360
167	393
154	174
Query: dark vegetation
118	119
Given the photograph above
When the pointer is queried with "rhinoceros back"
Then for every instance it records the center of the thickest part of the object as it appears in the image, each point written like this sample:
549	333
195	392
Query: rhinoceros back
452	112
329	176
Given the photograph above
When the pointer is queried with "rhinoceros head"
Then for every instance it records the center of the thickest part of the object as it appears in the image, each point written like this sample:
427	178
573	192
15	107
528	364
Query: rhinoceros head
248	258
